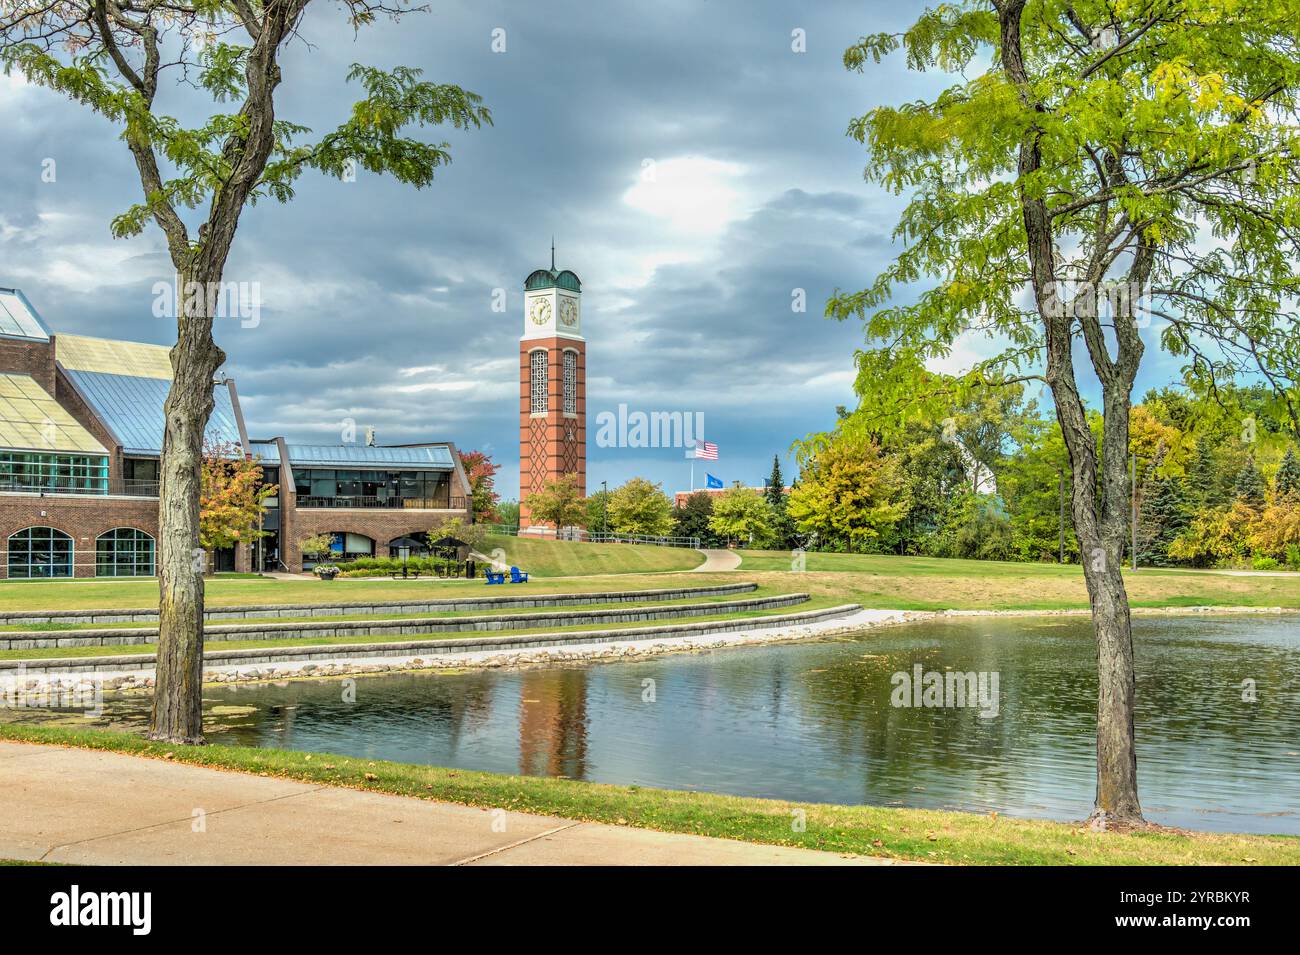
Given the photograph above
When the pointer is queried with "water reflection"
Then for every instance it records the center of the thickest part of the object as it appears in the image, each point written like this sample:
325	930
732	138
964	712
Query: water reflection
814	721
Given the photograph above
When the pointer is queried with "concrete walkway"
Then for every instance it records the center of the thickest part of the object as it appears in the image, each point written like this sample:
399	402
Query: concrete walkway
715	560
95	808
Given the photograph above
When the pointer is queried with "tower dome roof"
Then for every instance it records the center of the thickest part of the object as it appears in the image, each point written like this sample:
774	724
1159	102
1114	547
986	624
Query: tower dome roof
550	278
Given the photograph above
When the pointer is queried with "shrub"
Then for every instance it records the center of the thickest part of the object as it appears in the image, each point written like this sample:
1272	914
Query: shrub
1293	556
1264	563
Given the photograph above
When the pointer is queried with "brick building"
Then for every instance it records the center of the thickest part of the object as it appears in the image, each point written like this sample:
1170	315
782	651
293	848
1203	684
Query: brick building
81	429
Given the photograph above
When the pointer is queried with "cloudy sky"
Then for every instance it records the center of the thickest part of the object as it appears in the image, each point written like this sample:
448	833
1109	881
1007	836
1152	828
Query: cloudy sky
376	299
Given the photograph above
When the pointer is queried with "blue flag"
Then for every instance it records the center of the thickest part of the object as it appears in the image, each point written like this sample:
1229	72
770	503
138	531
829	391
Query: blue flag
713	482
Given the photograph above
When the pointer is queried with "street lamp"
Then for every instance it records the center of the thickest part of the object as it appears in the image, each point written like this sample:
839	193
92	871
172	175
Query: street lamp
604	508
404	551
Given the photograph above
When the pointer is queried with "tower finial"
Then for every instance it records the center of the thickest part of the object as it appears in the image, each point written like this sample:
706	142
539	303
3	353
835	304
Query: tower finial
552	253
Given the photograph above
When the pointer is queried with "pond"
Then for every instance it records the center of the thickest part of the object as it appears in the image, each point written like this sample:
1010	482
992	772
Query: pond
819	722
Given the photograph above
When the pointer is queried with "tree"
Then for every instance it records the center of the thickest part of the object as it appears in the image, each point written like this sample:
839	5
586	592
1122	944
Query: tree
783	530
740	514
983	425
1085	143
316	546
233	497
1205	475
113	58
1250	487
1164	519
597	515
847	495
691	518
559	503
640	507
1286	483
480	471
473	535
508	512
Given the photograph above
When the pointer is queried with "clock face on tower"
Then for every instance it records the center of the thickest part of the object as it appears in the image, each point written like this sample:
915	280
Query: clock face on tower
568	312
540	311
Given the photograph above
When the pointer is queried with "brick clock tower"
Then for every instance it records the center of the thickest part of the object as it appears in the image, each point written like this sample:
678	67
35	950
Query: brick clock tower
552	385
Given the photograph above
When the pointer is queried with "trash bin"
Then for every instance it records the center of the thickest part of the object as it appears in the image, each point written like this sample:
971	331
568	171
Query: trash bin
470	569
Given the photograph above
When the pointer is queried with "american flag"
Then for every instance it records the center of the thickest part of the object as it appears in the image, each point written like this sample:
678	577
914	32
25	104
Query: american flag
706	450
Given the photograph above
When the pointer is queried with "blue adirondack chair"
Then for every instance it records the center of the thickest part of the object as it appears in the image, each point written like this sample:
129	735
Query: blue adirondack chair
518	576
493	577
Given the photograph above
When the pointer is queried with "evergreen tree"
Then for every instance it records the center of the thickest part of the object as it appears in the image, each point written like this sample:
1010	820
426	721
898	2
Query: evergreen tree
1165	516
1250	485
783	532
1205	485
1287	482
776	484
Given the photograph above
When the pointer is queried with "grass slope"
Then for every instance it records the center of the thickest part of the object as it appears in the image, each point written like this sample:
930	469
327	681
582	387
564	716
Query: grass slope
924	835
548	558
930	583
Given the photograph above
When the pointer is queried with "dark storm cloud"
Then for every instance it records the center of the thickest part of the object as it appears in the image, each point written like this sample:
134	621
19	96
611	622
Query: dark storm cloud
377	299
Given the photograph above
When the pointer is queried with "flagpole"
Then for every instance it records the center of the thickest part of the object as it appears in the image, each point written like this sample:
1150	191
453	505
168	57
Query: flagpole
692	474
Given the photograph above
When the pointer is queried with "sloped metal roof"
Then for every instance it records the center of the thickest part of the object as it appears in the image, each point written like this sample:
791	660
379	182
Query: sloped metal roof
360	455
18	319
112	357
132	407
268	451
31	420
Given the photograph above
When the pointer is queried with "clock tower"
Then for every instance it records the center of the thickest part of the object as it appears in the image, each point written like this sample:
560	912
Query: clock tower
552	385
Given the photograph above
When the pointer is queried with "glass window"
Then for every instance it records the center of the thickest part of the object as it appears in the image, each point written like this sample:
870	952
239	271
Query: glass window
571	382
40	552
53	473
124	552
538	360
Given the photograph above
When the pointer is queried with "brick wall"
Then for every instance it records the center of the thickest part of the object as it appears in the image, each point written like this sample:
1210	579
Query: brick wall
379	524
22	357
83	518
556	444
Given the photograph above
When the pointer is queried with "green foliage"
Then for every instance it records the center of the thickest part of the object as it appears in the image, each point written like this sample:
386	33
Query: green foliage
559	504
597	516
849	497
691	518
783	533
508	513
640	507
316	546
743	516
1250	486
1287	481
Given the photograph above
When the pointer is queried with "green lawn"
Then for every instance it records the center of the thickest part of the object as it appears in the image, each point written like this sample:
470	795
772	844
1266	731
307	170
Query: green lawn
930	583
924	835
884	582
548	558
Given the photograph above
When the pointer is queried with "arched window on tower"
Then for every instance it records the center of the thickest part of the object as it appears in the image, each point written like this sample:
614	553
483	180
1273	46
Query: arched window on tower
538	360
571	382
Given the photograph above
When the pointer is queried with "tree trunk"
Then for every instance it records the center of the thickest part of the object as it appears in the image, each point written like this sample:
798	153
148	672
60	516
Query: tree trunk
178	699
1116	803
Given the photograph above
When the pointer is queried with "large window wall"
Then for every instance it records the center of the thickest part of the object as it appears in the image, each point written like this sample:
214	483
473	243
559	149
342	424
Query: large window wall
53	473
40	552
324	487
124	552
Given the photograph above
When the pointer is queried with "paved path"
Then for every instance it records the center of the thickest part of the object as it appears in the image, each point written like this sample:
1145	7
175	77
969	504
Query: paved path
715	560
95	808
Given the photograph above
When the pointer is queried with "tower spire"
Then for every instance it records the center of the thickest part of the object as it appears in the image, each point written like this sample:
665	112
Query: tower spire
552	253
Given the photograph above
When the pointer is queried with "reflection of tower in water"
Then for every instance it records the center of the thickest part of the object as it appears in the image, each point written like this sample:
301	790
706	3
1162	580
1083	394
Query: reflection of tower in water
553	723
